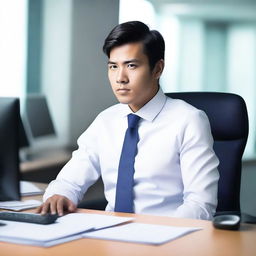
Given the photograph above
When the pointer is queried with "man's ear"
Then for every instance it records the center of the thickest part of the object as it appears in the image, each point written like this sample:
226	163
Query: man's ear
158	69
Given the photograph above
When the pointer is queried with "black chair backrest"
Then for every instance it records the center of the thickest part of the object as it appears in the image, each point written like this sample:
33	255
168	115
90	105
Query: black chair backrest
228	118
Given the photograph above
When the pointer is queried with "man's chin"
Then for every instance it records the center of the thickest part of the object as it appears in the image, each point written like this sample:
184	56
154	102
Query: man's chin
123	100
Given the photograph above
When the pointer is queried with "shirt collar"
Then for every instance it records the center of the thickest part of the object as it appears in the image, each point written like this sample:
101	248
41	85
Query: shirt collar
150	110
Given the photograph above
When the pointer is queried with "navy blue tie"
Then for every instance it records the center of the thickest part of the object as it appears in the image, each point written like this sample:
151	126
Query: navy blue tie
124	187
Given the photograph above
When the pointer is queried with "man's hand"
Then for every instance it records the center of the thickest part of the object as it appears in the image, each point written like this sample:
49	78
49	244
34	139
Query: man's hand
56	204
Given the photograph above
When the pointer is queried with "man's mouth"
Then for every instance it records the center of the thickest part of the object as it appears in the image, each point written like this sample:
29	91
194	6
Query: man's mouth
123	89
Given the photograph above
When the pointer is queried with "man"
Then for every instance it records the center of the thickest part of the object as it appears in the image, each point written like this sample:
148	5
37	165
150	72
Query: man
174	171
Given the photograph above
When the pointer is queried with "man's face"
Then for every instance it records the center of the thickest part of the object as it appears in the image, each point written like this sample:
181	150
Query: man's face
129	73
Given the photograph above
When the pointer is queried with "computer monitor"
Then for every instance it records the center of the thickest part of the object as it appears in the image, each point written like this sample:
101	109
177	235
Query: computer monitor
38	134
23	137
38	116
9	149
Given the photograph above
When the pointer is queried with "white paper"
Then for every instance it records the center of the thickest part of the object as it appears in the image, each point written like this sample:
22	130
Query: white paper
19	205
66	228
41	243
102	221
141	233
29	189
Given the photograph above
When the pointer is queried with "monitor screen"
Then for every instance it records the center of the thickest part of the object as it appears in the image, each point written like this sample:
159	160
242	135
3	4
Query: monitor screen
9	149
38	116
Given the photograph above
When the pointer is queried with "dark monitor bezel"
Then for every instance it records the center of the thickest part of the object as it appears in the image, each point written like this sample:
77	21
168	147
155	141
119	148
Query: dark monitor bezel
9	149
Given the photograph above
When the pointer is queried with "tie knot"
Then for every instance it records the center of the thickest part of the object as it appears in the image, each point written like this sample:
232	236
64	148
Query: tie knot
133	120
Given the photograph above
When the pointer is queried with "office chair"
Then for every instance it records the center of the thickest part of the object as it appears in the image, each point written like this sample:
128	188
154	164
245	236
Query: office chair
228	118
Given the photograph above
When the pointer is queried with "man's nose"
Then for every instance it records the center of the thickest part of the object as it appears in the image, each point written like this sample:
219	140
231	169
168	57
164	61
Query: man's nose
122	77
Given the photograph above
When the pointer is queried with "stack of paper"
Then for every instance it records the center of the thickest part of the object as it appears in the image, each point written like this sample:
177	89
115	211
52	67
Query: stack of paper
81	225
66	228
19	205
29	189
141	233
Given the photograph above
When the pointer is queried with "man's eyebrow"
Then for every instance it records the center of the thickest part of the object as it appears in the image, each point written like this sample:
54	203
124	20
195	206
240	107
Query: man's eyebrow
111	62
132	60
125	62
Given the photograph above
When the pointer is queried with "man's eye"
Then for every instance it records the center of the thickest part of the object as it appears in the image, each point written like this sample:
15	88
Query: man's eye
131	66
112	66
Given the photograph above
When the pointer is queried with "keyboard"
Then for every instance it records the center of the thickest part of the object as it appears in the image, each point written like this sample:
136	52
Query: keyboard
29	217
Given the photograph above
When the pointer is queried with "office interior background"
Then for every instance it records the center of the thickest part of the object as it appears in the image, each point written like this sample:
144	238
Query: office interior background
54	48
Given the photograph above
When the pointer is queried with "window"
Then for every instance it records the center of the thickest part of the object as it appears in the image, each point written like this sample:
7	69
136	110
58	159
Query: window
13	45
208	48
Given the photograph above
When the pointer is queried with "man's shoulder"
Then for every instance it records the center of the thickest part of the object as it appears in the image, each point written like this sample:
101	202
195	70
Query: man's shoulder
182	111
184	114
180	106
111	111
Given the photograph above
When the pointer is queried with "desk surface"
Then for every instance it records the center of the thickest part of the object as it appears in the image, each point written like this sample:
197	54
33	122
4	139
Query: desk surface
46	159
206	242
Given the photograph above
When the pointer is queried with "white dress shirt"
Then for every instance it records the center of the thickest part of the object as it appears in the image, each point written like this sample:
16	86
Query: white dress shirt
175	167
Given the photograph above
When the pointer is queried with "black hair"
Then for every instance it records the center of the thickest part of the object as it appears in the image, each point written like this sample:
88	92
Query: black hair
136	31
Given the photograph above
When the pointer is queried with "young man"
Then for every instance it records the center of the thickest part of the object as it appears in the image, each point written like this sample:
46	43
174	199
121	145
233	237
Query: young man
174	168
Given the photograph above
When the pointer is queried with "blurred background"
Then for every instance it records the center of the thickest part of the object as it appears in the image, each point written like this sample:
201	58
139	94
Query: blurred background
53	48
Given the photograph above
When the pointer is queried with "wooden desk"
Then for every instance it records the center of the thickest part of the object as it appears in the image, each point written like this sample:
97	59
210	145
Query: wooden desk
45	160
44	166
207	242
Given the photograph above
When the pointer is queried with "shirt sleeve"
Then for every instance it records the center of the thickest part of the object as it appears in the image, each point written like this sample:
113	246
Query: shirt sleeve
198	164
81	171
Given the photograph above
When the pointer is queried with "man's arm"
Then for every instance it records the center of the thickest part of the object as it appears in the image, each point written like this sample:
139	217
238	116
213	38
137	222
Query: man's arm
64	193
198	164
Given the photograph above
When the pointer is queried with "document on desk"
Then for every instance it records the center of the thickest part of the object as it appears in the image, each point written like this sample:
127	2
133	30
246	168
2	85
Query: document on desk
29	189
66	228
19	205
141	233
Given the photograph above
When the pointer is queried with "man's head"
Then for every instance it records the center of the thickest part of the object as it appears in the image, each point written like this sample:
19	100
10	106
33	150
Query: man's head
135	63
136	31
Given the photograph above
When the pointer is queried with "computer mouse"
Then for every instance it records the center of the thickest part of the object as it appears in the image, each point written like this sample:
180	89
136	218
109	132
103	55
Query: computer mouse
227	221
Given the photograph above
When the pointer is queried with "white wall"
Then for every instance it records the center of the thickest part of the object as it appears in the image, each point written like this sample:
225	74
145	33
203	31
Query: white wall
90	90
74	68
